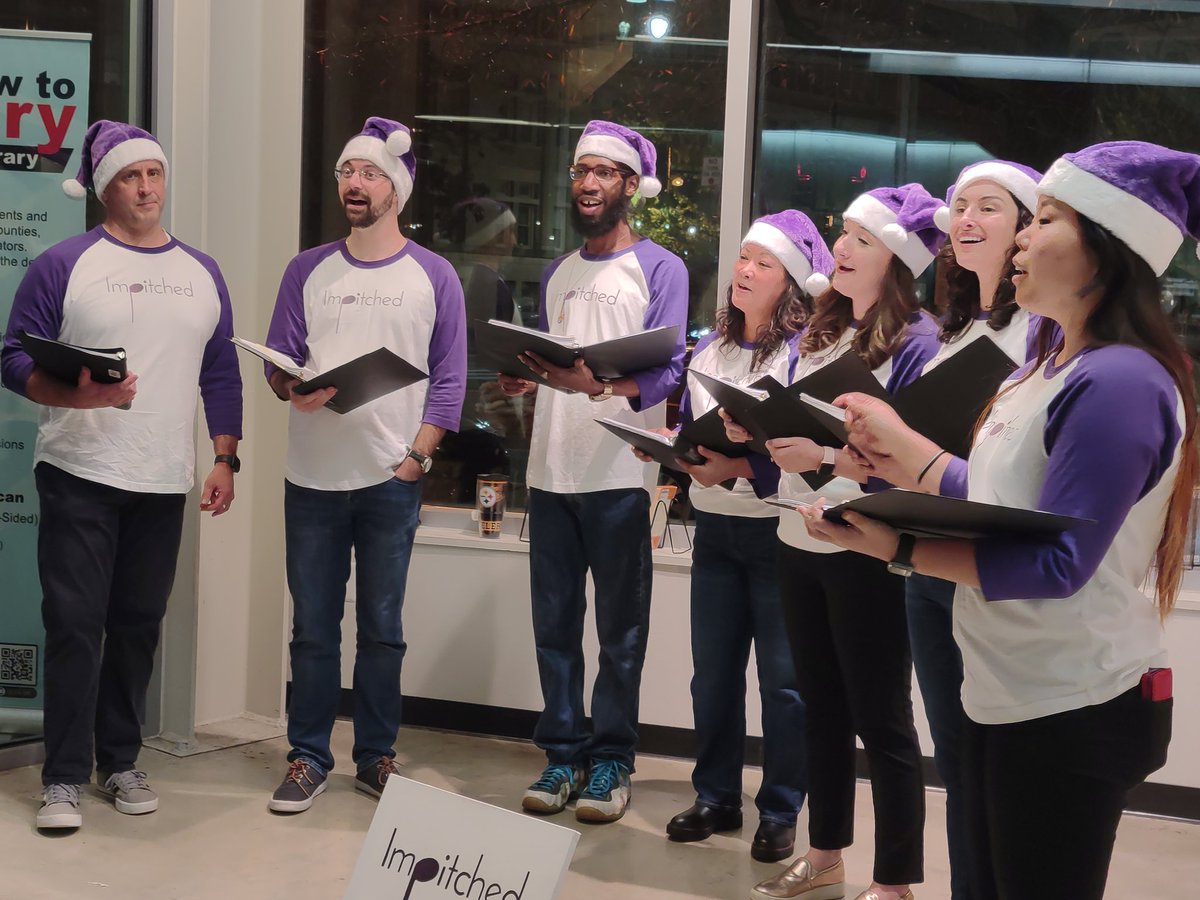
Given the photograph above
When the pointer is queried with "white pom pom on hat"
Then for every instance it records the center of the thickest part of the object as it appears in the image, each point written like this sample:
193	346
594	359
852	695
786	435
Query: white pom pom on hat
941	218
896	232
650	187
398	143
816	284
73	189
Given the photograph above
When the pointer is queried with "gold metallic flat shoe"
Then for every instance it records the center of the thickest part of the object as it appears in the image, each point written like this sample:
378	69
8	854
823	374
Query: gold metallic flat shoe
801	880
874	895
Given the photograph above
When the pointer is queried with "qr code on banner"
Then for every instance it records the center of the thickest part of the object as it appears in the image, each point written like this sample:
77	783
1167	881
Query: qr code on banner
18	664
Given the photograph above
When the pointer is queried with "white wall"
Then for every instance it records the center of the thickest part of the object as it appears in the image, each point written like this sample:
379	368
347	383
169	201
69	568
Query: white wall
228	109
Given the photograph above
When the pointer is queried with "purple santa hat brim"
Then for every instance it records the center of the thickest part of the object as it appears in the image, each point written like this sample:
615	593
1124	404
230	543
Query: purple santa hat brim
1147	195
622	145
108	147
794	240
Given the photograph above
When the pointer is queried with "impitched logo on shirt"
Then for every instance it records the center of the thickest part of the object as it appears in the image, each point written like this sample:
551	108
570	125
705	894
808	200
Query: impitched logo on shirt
148	286
589	295
362	298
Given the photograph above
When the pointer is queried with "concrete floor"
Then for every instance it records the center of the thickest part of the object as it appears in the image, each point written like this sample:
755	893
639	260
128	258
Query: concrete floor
214	838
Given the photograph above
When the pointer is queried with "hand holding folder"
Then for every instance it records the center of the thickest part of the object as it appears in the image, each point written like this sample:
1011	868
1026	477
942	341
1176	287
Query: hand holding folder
64	361
930	515
358	382
500	343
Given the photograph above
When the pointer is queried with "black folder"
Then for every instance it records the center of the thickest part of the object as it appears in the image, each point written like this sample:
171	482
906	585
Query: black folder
499	343
665	451
945	404
931	515
358	382
63	361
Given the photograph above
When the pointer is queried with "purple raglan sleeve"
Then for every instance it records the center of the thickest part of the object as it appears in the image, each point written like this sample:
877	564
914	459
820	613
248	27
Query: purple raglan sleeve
220	377
447	346
667	279
543	303
1111	434
288	331
954	479
38	306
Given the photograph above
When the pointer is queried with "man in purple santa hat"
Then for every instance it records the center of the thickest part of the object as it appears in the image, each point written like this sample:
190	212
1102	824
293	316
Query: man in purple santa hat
589	508
111	479
354	480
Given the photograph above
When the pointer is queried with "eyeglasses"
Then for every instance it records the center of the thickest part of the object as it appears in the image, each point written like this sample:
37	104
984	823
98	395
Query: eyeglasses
604	174
369	176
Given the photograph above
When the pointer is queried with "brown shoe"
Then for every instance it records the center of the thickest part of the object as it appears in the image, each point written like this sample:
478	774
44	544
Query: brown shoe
802	880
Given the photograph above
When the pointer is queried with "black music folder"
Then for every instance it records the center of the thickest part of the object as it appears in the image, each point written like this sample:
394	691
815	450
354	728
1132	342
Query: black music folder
944	405
358	382
63	360
931	515
666	451
499	343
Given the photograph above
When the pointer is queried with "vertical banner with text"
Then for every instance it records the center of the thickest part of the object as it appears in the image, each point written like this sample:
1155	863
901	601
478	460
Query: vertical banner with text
43	117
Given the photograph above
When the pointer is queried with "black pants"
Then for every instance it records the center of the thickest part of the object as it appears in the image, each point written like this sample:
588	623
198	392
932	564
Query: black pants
1044	797
106	558
846	624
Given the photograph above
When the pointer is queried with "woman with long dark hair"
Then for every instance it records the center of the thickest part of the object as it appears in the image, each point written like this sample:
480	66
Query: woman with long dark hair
1067	704
735	597
845	622
987	205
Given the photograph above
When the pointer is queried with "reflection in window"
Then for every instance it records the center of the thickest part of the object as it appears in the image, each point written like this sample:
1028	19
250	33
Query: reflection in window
497	94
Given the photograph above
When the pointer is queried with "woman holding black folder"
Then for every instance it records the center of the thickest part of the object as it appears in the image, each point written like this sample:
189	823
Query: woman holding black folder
1067	704
987	205
844	620
735	597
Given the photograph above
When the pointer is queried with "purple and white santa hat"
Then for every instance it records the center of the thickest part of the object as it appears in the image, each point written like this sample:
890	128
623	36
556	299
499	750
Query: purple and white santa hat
792	238
388	145
108	147
1019	180
623	145
901	217
1148	196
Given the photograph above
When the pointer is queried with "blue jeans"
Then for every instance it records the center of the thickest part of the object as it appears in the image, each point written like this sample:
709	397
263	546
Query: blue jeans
321	527
607	532
735	600
929	603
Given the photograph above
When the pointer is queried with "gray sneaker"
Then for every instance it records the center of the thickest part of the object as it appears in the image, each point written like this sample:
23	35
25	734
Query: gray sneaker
373	778
130	792
60	807
300	785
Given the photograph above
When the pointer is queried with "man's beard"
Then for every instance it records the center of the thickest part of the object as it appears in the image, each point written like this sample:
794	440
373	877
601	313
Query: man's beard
616	212
365	217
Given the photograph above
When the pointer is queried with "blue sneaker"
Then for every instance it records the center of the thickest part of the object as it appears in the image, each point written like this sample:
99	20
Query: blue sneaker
607	793
556	787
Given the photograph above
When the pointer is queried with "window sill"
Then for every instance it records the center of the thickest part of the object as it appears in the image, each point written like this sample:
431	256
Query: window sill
444	527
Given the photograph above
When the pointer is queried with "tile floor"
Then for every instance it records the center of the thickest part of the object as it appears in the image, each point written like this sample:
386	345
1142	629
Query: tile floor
214	838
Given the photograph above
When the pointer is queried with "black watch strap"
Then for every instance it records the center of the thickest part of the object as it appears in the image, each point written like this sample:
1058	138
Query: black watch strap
231	460
901	563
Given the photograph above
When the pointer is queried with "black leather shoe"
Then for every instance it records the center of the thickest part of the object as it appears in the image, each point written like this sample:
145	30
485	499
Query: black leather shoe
702	821
773	842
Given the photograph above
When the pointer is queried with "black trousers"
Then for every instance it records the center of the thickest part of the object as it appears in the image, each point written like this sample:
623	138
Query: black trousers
849	636
1044	797
106	558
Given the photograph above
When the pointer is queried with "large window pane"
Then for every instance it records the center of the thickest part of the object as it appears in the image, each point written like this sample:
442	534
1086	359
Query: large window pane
497	94
855	96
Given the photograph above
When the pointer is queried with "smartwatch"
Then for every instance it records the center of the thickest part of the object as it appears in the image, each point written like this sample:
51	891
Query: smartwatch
425	462
901	564
828	460
231	460
605	392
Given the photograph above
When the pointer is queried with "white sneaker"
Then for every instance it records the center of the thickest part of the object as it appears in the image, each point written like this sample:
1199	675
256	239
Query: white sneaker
60	807
130	792
607	794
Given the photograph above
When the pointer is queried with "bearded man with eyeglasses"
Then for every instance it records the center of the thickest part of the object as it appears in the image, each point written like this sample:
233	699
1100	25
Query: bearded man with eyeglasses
589	506
354	480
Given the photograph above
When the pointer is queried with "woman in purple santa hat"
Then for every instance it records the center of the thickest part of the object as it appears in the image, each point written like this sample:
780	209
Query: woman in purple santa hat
987	205
844	619
1067	701
782	263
